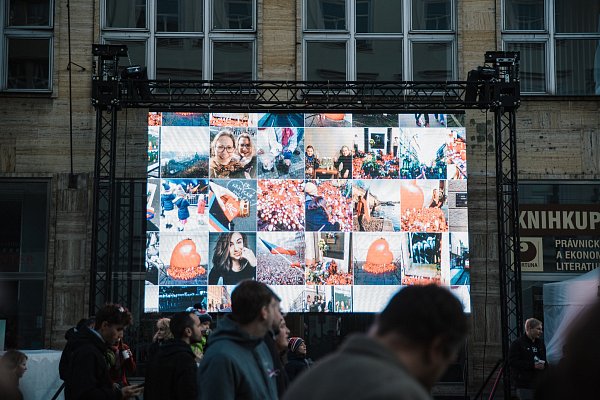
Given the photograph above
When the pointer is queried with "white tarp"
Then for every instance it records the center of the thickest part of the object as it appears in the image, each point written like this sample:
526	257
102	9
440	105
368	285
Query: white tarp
563	301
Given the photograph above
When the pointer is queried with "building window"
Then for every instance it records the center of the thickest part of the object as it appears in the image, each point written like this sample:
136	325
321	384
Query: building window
23	260
559	41
185	39
26	30
379	40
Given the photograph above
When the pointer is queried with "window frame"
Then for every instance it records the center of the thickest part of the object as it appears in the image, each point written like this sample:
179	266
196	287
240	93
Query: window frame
25	32
12	187
406	35
549	37
208	36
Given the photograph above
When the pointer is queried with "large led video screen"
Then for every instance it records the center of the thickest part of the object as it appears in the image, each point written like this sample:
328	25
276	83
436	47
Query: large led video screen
335	212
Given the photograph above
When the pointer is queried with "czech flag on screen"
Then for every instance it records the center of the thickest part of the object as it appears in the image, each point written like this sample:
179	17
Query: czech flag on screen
274	249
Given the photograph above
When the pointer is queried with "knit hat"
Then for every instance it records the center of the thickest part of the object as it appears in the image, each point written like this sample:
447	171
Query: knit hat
295	343
204	317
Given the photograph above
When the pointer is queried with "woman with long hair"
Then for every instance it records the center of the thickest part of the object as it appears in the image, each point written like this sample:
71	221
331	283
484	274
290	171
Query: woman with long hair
247	157
232	260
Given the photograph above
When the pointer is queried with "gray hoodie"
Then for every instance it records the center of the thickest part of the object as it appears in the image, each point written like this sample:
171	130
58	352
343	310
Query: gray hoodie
236	366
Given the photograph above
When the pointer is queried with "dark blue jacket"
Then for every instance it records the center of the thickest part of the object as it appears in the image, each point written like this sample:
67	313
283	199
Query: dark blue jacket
182	205
166	201
317	220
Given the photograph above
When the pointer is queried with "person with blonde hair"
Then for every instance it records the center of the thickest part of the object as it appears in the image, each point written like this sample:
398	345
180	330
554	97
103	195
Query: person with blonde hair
527	359
344	163
247	157
162	335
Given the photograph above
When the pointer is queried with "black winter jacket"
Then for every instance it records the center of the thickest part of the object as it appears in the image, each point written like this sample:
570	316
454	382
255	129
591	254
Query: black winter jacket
296	364
86	370
171	373
521	357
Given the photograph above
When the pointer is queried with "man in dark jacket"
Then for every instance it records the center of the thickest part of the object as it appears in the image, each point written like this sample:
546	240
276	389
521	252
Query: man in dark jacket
86	376
171	374
72	336
237	363
527	359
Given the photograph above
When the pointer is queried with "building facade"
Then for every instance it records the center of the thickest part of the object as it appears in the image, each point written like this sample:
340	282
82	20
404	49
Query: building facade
48	126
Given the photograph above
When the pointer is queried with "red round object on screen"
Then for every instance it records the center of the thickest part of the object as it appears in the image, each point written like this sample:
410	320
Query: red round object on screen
185	261
411	195
379	252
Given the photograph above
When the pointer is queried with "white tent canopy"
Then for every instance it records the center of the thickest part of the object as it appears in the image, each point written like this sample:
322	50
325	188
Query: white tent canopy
563	301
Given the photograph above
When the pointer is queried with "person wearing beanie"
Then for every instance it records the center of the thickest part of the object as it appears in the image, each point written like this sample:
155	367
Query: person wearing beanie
297	360
205	321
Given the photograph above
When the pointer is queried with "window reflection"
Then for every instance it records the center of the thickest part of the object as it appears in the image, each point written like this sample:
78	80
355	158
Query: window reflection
126	13
178	58
232	60
179	16
431	15
524	14
28	63
379	60
232	14
432	61
577	67
378	16
29	13
532	68
577	16
326	14
326	61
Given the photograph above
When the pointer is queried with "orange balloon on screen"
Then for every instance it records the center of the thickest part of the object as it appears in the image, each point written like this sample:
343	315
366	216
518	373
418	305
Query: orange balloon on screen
411	195
379	252
379	257
185	261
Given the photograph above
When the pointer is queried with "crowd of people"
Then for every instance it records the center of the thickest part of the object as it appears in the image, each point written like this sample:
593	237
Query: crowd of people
327	272
251	354
424	220
375	165
278	270
280	205
420	280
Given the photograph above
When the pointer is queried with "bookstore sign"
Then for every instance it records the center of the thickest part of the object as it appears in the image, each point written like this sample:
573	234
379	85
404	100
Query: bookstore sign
559	237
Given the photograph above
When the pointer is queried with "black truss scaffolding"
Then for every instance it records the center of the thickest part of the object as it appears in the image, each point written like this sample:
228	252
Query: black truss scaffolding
117	270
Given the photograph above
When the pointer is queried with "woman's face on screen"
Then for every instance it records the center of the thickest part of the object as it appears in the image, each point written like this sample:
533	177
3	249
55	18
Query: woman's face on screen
236	246
224	148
